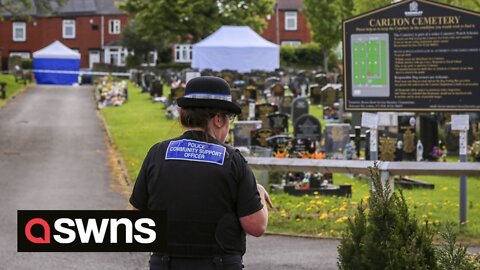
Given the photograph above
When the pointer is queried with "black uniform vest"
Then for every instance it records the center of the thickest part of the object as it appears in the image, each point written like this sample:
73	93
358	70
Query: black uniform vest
200	199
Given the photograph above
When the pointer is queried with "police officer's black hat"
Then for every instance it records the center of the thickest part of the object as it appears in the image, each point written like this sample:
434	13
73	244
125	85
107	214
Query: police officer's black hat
208	92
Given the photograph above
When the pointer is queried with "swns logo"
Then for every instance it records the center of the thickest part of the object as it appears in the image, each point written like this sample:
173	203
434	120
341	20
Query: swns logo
91	231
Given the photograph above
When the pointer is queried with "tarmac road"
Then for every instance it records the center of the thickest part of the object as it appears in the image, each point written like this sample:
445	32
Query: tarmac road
53	155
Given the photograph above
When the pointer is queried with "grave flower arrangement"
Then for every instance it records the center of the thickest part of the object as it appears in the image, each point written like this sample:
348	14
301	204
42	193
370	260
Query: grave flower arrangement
111	93
436	153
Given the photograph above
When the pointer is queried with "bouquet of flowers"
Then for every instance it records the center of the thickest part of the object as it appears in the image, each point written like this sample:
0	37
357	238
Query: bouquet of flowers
436	153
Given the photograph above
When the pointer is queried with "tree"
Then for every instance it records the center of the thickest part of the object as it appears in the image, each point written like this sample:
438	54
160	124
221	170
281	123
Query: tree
362	6
18	8
134	41
325	18
386	236
192	20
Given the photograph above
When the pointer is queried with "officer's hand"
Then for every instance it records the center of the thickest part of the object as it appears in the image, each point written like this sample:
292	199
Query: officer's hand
264	196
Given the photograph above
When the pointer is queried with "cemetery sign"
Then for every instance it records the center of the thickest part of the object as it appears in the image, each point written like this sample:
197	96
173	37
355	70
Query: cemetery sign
412	56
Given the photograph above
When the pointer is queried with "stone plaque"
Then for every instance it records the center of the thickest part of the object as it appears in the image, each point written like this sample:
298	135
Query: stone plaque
337	136
242	132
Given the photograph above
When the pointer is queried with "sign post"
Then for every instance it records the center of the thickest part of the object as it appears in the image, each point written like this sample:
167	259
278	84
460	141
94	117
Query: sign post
461	123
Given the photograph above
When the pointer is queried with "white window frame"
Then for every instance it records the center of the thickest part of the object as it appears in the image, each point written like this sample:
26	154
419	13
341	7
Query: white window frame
65	25
23	55
291	21
183	53
119	55
19	26
293	43
151	59
114	27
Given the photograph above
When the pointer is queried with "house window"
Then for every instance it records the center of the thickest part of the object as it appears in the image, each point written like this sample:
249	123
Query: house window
291	21
183	53
114	27
115	56
69	29
294	43
23	55
150	58
19	31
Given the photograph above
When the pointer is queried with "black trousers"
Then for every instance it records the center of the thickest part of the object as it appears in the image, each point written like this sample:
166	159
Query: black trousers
228	262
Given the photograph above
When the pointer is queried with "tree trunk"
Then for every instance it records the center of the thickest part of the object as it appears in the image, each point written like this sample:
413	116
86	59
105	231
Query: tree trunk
326	54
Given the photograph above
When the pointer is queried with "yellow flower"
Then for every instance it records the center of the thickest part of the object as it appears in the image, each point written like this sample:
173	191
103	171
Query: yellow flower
445	188
341	219
297	220
323	216
315	193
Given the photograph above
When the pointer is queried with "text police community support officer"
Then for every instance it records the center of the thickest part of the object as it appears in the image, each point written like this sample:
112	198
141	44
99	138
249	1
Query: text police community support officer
210	194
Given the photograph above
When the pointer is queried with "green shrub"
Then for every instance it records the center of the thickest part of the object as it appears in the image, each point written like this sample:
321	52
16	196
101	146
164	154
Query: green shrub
287	56
26	64
133	61
453	256
383	235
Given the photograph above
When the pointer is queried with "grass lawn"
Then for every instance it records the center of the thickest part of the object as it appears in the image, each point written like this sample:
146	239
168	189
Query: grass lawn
11	88
139	123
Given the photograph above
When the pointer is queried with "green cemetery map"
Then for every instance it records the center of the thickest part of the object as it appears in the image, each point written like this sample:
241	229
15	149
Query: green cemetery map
370	64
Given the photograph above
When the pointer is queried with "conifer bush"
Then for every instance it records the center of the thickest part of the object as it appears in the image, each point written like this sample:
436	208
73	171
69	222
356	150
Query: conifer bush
383	235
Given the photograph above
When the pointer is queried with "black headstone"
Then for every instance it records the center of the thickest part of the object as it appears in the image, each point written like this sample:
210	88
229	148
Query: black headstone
300	107
428	134
316	94
308	127
278	122
262	111
259	136
286	104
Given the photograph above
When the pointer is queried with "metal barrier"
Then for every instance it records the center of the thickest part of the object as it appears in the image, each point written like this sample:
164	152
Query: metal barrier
387	170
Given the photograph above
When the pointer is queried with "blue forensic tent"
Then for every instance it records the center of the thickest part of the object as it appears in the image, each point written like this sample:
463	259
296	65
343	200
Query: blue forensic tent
56	64
236	48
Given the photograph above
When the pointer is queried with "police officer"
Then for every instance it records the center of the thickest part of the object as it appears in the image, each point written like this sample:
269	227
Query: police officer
210	194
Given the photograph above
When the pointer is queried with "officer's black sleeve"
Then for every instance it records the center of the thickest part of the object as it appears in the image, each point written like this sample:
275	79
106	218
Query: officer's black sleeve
139	197
248	197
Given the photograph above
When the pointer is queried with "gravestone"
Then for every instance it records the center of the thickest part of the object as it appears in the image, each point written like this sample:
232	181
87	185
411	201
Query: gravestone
262	111
236	94
428	135
259	136
358	138
245	106
407	144
328	96
320	79
286	104
156	89
299	86
279	143
270	81
277	90
306	145
337	136
278	123
242	132
250	92
300	107
316	94
387	147
307	127
176	93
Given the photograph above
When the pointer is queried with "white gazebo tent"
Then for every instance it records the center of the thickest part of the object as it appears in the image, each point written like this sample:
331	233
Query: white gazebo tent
236	48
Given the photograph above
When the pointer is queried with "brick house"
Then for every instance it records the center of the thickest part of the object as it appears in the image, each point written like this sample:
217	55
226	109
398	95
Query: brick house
91	27
287	25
